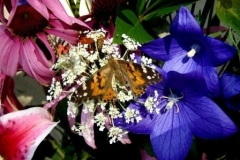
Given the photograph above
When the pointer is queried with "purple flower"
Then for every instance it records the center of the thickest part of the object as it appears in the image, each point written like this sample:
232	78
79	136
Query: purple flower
26	29
230	85
187	49
178	111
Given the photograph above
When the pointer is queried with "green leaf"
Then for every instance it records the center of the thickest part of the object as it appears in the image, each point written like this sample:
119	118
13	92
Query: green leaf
140	6
164	9
160	12
228	11
128	23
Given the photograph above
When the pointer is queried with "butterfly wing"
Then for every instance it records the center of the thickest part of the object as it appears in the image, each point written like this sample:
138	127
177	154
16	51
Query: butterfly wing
98	86
138	76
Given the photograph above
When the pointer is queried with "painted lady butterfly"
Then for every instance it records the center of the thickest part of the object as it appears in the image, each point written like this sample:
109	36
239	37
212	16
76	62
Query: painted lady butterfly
99	85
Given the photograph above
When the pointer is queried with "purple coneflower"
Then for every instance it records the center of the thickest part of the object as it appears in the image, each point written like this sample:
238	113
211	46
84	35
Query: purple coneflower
24	42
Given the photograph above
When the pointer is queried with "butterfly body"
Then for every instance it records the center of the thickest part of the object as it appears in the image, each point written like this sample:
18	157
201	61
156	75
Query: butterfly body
99	85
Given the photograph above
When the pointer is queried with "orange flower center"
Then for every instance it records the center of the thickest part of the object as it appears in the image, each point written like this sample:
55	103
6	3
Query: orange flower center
27	22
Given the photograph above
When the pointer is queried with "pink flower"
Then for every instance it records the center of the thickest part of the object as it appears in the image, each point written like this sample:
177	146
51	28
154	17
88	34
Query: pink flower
22	131
8	100
24	43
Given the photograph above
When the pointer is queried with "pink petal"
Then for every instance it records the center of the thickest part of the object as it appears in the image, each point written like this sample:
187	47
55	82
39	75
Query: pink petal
9	56
87	119
204	156
125	139
56	7
12	11
43	38
81	23
62	95
33	66
69	35
40	7
9	102
22	131
2	19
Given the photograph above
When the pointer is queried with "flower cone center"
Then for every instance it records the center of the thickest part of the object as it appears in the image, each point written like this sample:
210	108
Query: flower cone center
27	22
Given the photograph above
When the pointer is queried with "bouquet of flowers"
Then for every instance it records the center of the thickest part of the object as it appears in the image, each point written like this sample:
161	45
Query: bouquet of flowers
128	80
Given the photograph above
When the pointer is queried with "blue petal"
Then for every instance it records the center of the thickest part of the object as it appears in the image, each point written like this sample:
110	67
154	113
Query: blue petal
185	25
177	64
211	77
218	52
163	48
199	65
189	84
230	84
145	126
171	138
206	119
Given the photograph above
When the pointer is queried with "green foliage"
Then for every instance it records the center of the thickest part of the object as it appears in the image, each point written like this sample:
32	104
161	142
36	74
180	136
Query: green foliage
128	23
158	8
228	12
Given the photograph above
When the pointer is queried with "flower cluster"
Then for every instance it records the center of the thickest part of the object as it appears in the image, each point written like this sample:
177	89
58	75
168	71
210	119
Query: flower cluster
183	98
78	69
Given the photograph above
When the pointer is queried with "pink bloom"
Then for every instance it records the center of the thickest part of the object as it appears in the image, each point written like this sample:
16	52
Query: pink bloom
8	100
22	131
24	43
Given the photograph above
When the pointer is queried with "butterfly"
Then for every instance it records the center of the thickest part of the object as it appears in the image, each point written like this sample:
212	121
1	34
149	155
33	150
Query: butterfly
99	85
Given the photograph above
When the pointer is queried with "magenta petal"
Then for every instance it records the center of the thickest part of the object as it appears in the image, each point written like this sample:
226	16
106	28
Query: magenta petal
22	131
2	19
13	10
40	7
32	66
66	34
9	54
43	38
78	21
56	7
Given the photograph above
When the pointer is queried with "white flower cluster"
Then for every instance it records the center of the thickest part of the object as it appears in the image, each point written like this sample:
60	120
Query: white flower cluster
152	103
100	120
114	112
110	48
129	43
82	129
72	109
54	90
115	134
80	63
132	115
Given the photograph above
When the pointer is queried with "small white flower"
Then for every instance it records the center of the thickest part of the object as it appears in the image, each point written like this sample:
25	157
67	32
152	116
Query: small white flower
146	61
114	112
100	120
115	134
72	109
110	49
152	103
89	106
129	43
54	90
132	115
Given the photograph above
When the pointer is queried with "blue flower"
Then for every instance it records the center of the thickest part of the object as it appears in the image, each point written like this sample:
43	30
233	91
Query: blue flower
187	49
230	85
180	110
